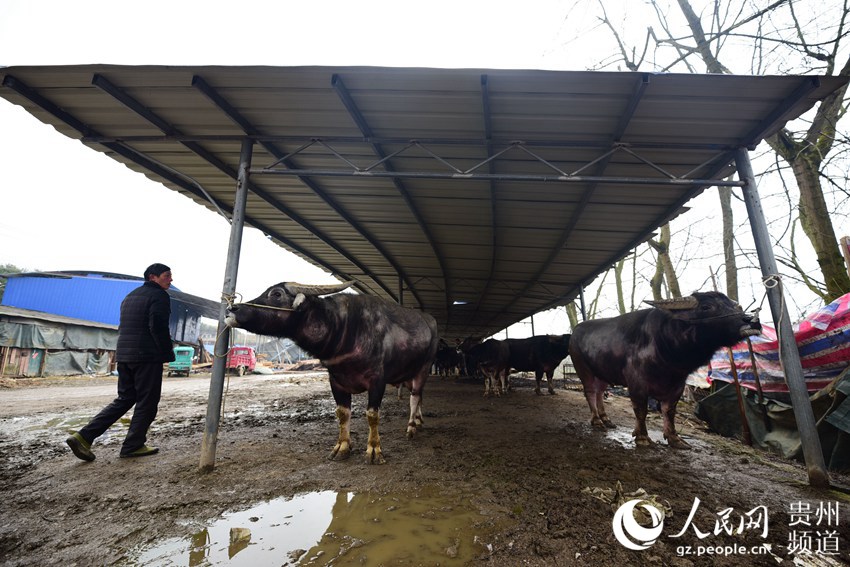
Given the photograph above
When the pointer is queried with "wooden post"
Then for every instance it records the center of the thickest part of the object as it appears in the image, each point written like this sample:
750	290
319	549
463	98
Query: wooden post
745	426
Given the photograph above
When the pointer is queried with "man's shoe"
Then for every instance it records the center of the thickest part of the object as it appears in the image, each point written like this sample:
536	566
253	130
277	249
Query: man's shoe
80	447
142	451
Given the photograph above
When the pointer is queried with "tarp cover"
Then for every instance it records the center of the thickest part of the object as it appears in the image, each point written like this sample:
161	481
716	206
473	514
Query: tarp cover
46	336
31	336
823	339
70	363
772	424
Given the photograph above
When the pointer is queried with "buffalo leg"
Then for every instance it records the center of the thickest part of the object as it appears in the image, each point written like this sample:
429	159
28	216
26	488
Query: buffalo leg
640	434
415	419
668	411
503	380
373	409
538	375
549	375
491	382
342	449
597	410
594	393
600	403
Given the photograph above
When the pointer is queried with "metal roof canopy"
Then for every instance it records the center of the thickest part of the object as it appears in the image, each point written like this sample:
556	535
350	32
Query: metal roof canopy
480	196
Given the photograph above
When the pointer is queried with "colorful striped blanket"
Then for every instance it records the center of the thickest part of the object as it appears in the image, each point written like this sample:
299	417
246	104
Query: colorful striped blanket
823	339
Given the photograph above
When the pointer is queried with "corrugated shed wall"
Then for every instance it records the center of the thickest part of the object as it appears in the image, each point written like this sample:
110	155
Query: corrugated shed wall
91	298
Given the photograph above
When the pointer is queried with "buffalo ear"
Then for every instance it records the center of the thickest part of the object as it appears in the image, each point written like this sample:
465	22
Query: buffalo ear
678	304
299	299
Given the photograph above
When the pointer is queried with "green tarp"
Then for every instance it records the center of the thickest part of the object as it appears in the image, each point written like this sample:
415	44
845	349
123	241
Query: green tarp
56	336
772	424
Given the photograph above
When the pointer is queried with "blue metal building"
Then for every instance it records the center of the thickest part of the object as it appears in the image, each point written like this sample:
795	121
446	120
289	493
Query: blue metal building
97	296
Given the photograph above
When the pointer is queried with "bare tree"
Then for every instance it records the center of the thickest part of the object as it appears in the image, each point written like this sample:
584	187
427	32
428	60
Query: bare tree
729	243
779	35
665	266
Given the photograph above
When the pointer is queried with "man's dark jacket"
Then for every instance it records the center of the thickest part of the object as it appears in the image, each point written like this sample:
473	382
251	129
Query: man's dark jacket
143	330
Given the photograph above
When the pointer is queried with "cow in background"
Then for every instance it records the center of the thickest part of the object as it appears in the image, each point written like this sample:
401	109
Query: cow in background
652	352
448	360
540	354
491	359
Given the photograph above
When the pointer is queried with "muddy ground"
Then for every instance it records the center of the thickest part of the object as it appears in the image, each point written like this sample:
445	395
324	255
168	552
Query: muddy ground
526	466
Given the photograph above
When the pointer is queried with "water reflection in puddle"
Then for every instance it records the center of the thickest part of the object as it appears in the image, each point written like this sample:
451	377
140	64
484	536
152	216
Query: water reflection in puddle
624	437
332	528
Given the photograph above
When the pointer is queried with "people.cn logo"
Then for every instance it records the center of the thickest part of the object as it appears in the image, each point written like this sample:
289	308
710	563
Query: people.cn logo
630	533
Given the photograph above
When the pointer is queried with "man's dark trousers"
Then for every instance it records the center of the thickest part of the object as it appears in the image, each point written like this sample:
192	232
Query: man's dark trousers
139	384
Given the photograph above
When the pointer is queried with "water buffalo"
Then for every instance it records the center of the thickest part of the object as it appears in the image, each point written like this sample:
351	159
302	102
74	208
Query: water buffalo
448	360
491	359
365	343
652	352
541	354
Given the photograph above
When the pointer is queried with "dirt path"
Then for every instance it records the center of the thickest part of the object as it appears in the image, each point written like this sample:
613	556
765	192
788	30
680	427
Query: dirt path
512	473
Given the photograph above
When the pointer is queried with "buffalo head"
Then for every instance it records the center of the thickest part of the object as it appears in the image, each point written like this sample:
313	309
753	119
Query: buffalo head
268	313
712	314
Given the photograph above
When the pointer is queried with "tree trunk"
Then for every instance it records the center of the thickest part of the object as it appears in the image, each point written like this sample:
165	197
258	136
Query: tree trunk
572	314
814	218
618	280
729	243
664	266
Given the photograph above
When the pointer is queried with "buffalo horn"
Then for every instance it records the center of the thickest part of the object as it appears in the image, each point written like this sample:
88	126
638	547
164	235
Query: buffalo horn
678	304
296	288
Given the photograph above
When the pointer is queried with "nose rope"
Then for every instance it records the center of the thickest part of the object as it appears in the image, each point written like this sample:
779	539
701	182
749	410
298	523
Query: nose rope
267	306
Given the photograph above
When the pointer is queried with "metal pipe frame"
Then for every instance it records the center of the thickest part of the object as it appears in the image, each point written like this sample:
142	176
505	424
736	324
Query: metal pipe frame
788	353
210	439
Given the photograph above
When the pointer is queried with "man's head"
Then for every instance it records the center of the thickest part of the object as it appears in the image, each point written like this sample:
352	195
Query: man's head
160	274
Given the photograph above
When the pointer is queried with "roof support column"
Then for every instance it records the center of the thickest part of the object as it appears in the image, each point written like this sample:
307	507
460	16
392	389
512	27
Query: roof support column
222	343
789	355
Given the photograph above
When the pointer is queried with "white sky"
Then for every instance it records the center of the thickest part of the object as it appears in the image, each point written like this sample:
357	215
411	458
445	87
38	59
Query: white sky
66	207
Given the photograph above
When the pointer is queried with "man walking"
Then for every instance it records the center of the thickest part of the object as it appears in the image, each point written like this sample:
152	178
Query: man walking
144	344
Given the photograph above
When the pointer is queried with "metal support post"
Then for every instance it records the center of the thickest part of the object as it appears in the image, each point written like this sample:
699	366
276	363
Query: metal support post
208	445
789	355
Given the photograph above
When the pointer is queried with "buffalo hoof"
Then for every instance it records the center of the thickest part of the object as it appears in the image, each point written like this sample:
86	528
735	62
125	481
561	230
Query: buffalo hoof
340	452
643	441
537	391
678	443
411	431
374	456
597	423
552	392
608	423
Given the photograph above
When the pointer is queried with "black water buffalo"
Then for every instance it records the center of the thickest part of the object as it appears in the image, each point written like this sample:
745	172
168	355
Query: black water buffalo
541	354
448	360
652	352
365	343
491	359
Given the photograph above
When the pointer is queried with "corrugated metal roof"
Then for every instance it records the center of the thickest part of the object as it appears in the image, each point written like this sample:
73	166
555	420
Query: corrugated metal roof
488	195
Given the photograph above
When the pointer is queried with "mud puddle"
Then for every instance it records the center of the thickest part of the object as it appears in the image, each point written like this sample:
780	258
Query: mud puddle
332	528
